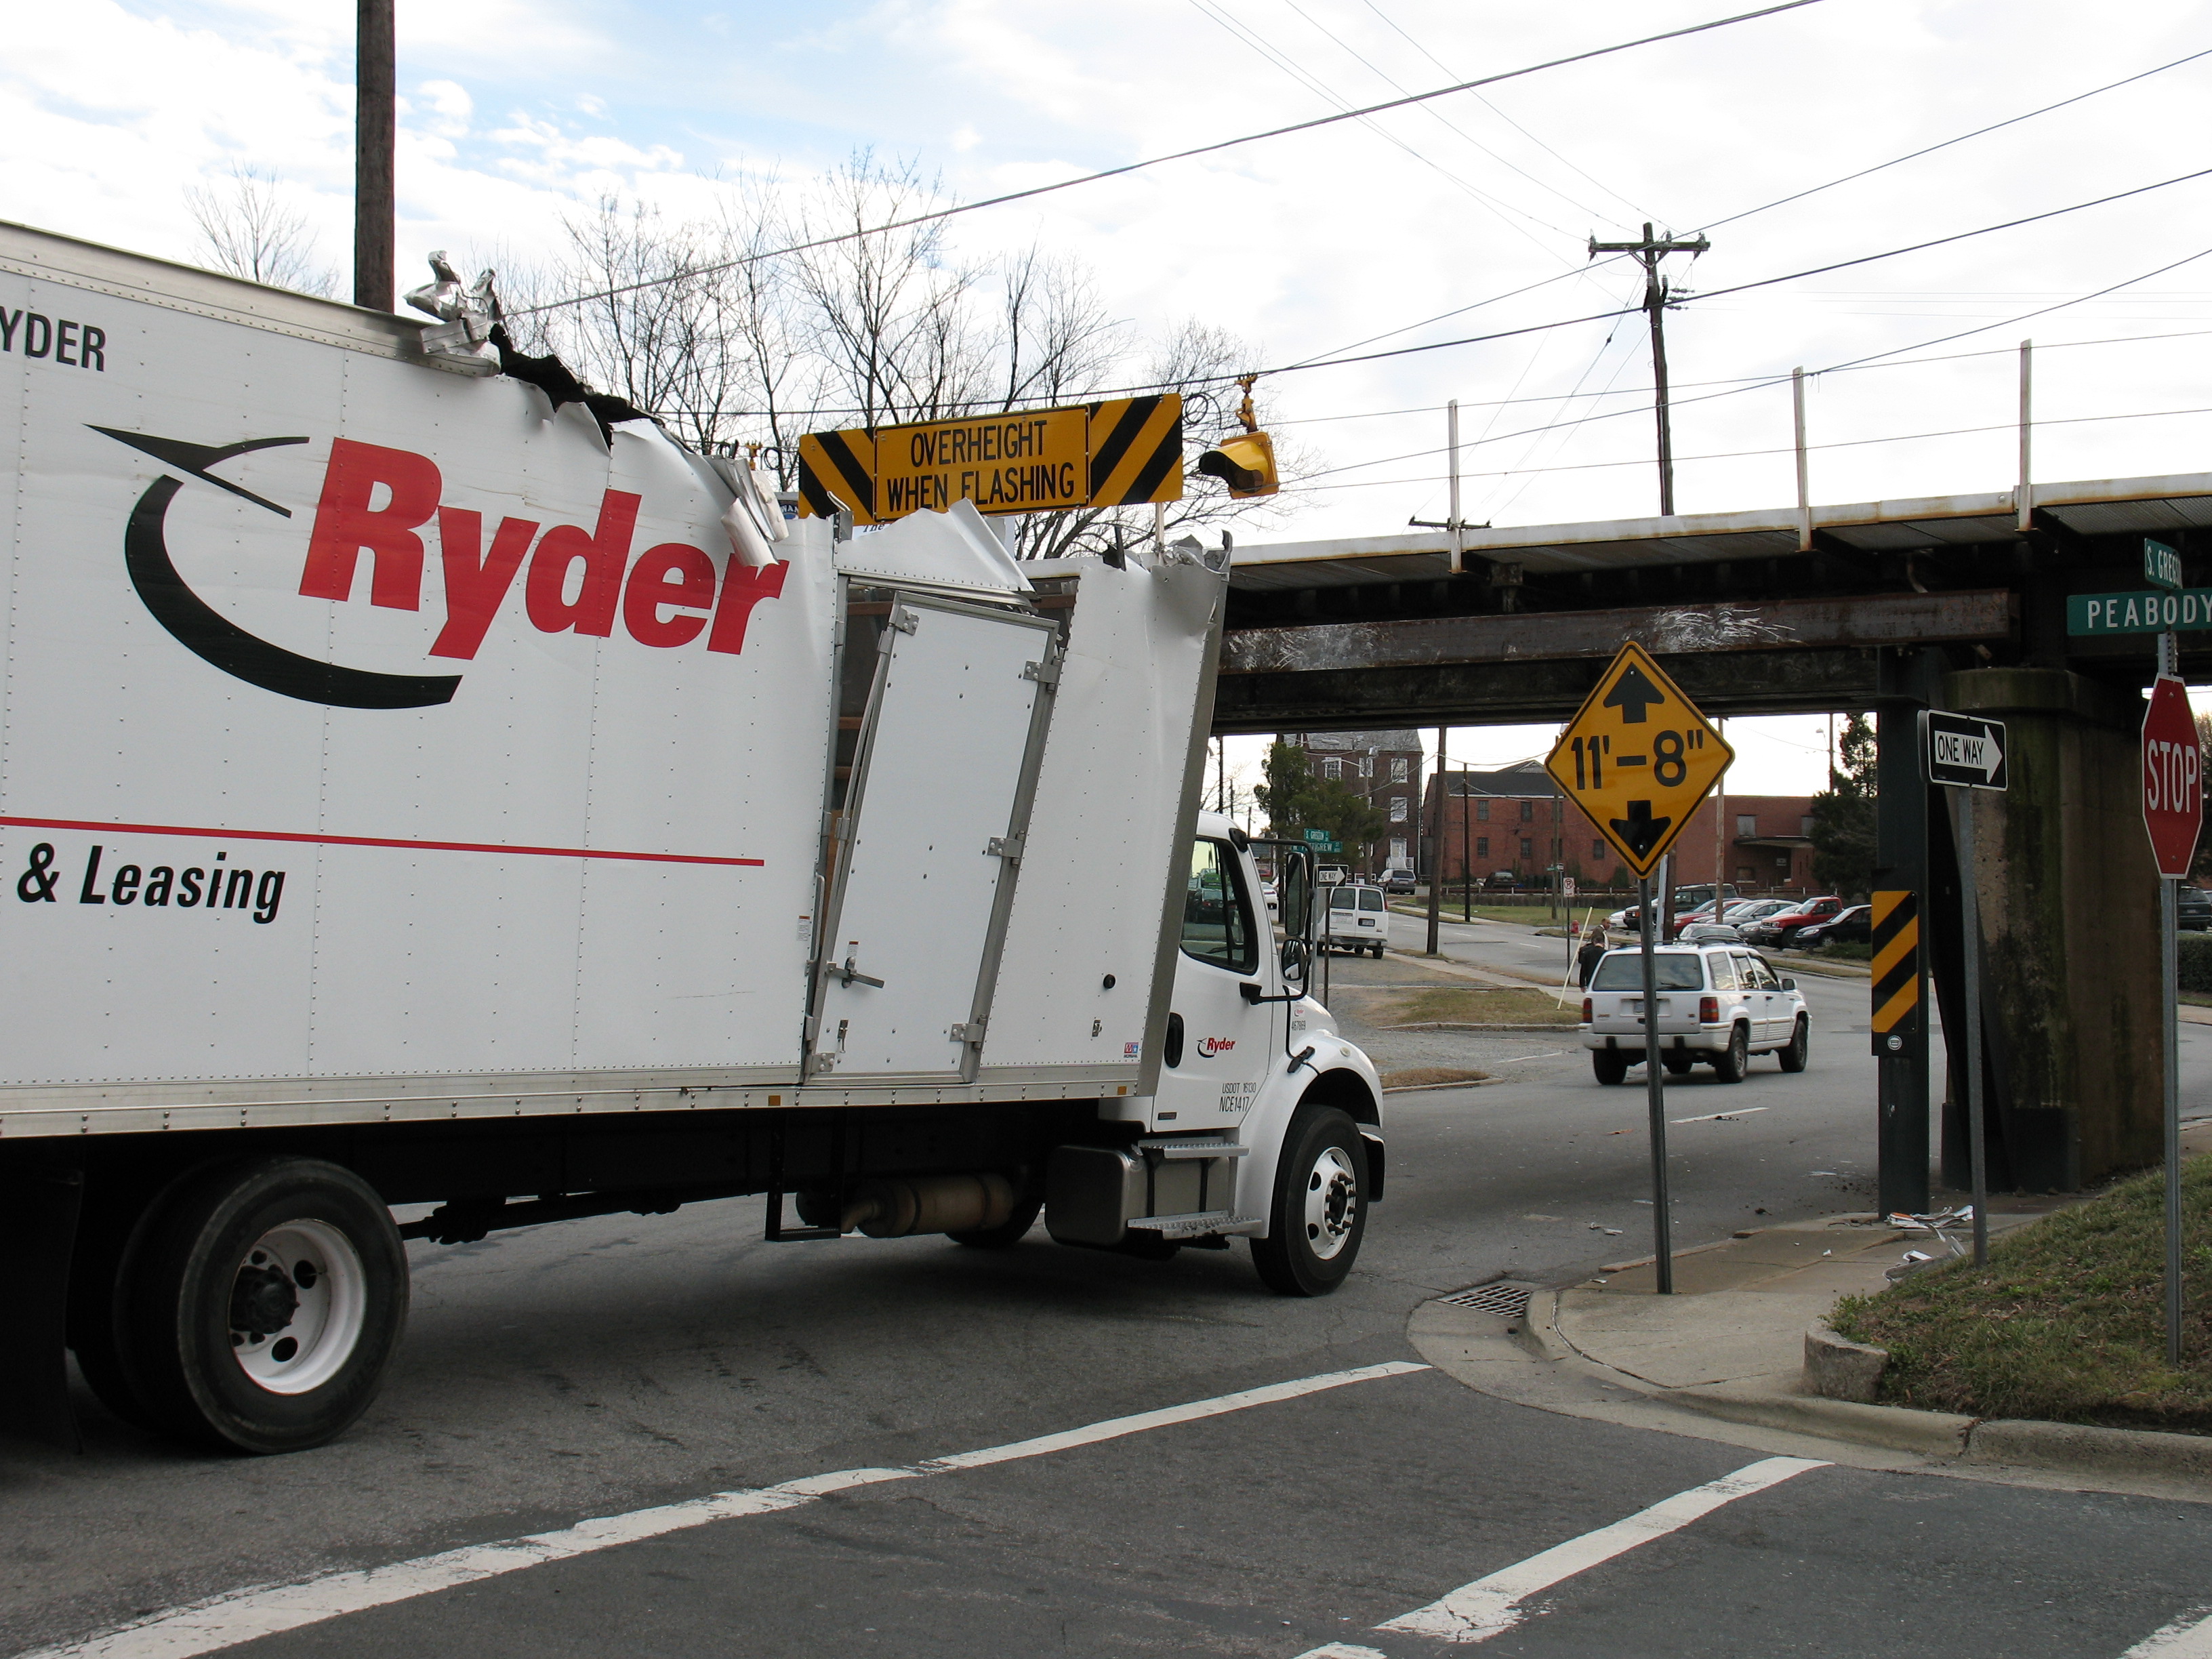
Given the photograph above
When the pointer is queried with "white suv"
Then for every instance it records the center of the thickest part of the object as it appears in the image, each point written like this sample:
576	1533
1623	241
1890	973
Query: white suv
1719	1004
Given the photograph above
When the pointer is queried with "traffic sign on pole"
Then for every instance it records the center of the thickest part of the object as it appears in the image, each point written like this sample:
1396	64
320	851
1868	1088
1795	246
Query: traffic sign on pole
1964	751
2172	777
1637	757
2173	813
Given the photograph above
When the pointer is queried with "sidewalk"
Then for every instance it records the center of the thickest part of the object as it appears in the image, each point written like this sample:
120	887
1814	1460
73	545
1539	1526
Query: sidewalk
1724	1359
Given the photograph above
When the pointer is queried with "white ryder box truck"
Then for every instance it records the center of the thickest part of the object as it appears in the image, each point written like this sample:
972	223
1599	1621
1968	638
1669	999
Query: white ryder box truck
419	791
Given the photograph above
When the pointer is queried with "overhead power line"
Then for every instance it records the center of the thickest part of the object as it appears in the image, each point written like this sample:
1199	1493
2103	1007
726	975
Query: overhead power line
1215	147
1930	149
1779	449
1782	379
1926	149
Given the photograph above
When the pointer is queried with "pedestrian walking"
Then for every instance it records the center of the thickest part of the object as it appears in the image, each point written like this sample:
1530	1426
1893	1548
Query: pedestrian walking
1586	959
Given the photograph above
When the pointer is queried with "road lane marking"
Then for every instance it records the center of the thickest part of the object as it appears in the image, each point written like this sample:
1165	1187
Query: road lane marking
226	1620
1713	1117
1488	1607
2189	1636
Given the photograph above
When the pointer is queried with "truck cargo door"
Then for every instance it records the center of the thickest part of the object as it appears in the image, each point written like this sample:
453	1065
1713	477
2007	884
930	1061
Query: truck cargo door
930	843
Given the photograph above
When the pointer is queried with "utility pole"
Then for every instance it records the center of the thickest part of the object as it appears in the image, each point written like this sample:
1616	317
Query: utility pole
1437	849
1649	252
375	86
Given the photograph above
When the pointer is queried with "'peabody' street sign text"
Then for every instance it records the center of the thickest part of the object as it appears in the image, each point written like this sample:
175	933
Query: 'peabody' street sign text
2139	613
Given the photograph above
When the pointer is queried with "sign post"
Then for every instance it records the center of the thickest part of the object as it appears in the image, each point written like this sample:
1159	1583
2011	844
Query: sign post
1967	754
1637	758
2174	815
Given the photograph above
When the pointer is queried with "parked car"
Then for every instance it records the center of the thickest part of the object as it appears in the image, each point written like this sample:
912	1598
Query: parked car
1710	933
2193	910
1856	924
1358	920
1504	878
1398	881
1782	927
1718	1005
1699	897
1741	913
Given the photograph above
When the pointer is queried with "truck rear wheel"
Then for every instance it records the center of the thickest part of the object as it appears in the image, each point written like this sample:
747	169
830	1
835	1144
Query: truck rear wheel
264	1305
1319	1214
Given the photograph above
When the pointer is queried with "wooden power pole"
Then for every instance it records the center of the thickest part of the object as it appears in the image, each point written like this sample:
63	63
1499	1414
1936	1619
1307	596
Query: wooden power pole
374	203
1649	252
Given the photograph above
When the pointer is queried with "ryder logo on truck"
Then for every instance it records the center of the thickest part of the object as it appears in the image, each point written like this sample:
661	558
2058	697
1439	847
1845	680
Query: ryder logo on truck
379	501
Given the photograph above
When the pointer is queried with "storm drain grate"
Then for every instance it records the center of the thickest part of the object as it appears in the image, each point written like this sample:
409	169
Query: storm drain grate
1509	1300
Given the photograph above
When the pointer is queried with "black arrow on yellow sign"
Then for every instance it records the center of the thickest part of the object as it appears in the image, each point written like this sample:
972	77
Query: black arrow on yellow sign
1631	694
1639	829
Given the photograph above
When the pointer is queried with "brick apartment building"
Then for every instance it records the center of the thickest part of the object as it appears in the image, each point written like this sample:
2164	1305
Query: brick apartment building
1385	766
1515	821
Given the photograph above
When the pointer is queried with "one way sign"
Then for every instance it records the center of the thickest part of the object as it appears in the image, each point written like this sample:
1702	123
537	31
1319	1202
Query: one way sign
1965	750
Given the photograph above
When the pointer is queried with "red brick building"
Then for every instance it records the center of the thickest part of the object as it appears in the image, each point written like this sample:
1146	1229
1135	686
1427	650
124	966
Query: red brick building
1515	822
1385	766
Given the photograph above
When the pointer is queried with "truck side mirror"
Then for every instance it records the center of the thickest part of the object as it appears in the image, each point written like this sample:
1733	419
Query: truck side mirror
1294	895
1297	956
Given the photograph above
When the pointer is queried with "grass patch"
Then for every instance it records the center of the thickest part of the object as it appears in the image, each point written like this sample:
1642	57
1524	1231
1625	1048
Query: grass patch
1474	1005
1431	1077
2066	1323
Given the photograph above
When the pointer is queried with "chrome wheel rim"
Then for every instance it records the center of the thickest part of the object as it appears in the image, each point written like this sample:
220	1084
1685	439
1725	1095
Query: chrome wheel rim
299	1300
1332	1206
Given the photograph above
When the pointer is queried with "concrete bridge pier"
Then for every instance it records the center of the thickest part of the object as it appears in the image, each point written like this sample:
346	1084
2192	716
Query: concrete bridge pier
2073	1066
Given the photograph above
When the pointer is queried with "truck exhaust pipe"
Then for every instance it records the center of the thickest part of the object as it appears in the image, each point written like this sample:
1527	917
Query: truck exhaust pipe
929	1204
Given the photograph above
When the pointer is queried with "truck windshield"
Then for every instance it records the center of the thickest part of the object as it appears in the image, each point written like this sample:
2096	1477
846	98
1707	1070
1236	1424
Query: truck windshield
1673	971
1217	916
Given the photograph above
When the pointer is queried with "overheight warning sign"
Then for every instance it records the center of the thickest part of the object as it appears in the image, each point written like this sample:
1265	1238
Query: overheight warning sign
1637	757
1119	452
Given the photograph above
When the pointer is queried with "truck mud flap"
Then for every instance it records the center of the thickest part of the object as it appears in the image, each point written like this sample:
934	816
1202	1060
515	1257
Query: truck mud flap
40	1196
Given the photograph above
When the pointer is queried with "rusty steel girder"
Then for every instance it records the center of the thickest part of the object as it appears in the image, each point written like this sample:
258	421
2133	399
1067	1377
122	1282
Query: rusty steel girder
1856	623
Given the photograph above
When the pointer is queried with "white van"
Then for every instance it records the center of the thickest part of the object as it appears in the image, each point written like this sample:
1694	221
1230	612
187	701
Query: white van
1720	1005
1357	918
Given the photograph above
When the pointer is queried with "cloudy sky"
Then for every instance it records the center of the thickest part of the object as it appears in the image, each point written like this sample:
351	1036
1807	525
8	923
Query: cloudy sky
1307	246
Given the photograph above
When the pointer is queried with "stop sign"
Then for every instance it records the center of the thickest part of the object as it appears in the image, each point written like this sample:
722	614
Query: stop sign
2172	777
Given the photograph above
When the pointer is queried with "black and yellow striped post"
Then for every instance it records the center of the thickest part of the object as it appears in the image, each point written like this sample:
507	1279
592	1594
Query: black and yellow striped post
1897	971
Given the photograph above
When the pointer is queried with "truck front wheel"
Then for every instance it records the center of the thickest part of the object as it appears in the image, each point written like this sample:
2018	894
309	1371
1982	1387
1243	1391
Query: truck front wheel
1319	1213
265	1305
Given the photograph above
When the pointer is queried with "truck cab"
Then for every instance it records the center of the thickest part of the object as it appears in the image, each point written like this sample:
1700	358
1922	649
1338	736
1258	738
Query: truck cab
1266	1123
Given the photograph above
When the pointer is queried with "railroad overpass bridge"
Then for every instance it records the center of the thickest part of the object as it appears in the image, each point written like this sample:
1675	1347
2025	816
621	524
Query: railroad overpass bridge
1954	602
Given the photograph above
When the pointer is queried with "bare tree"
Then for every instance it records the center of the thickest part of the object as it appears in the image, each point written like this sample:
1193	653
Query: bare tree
732	342
247	229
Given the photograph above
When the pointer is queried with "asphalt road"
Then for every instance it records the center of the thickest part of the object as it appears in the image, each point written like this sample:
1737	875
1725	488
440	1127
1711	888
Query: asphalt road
606	1366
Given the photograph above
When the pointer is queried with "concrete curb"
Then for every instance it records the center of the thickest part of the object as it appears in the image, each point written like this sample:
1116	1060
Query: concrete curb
2083	1446
1992	1443
1933	1434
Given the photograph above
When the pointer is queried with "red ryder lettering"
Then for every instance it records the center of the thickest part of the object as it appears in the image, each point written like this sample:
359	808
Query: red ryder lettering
378	501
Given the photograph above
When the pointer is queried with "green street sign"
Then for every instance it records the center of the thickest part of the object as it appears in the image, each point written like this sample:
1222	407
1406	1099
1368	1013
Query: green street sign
2139	613
1317	837
2162	565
